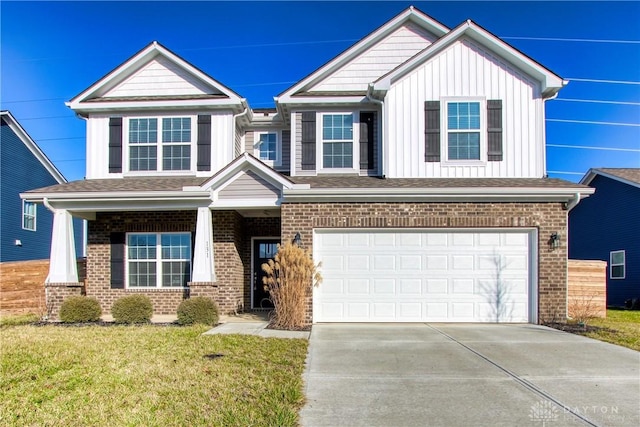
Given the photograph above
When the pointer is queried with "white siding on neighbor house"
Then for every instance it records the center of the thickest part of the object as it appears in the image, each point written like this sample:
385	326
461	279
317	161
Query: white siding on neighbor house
387	54
465	69
222	144
157	78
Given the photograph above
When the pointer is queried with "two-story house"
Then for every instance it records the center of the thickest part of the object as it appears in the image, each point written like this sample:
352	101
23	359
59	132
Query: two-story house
412	165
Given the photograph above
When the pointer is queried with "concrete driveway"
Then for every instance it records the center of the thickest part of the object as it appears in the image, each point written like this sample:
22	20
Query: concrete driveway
467	375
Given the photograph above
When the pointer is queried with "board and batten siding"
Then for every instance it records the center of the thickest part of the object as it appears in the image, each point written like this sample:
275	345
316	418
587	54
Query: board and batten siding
249	185
222	143
383	57
465	69
159	77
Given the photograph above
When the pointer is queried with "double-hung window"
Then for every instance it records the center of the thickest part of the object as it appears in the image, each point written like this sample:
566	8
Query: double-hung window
29	210
173	146
337	141
617	265
266	147
158	260
463	130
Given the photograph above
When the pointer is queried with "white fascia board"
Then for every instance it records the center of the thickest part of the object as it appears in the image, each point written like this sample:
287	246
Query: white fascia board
305	101
226	204
428	194
124	70
116	196
410	14
593	172
123	205
551	82
17	128
208	104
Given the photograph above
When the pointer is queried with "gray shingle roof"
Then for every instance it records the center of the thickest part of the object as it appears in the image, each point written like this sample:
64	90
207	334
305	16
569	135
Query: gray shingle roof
630	174
157	98
352	181
123	184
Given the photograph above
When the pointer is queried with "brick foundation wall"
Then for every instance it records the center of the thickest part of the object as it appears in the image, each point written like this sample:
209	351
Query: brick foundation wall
227	249
57	293
546	217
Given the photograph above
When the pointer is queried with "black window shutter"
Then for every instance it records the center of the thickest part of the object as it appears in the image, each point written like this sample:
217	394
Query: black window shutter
115	145
494	130
204	142
117	260
366	140
432	131
309	140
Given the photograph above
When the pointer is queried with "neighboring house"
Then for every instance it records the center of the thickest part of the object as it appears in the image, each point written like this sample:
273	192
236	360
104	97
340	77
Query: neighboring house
412	165
26	226
607	227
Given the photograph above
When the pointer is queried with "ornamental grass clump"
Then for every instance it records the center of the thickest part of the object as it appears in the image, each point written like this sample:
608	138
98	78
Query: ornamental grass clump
80	309
198	310
288	278
132	309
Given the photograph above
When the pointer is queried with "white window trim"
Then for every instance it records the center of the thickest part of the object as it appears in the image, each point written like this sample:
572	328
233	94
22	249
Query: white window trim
256	146
611	264
158	261
444	131
158	171
355	166
35	216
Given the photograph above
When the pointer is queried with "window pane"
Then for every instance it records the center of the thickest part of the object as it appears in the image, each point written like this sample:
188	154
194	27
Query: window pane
142	274
143	131
268	146
617	271
337	155
617	258
143	158
464	146
175	274
463	115
176	157
176	129
336	127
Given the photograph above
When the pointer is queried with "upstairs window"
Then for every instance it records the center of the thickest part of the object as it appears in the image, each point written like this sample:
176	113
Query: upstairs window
616	265
266	147
337	141
174	149
29	210
463	131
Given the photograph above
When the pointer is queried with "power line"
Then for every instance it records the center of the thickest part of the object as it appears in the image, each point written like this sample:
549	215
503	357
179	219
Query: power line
31	100
597	101
558	39
68	160
593	122
59	139
48	117
619	82
566	173
590	147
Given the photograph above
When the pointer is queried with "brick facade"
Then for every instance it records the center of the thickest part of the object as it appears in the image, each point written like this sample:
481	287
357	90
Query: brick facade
546	217
232	256
57	293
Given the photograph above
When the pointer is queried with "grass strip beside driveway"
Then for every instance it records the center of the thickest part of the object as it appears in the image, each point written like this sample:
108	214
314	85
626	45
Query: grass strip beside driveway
147	375
621	327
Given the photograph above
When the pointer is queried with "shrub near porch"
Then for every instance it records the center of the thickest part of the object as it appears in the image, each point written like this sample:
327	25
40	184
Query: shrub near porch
147	376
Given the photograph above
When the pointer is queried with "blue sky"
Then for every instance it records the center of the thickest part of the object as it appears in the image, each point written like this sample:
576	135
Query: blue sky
51	51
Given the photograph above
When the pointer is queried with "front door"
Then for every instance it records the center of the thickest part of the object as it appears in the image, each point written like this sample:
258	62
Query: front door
263	251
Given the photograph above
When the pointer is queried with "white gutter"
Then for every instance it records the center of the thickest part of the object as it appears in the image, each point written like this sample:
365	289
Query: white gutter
574	201
385	143
45	202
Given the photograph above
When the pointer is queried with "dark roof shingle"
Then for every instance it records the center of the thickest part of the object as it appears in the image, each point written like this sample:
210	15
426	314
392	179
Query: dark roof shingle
630	174
123	184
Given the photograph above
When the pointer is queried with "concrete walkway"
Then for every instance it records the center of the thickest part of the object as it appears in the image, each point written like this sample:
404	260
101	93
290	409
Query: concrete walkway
467	375
252	324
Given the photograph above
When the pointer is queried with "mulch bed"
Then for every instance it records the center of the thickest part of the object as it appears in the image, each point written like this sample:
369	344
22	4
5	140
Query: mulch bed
100	323
575	328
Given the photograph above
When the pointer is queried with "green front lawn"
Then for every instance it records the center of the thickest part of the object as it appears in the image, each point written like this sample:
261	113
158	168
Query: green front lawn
147	376
621	327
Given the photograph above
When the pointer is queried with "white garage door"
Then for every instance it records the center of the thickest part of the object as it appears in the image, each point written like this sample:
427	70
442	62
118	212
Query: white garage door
423	276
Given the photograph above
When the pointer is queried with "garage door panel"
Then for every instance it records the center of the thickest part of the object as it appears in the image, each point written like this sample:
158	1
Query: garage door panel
422	275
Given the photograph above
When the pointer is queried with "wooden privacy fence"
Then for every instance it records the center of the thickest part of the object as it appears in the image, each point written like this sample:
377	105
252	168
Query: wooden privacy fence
587	288
22	285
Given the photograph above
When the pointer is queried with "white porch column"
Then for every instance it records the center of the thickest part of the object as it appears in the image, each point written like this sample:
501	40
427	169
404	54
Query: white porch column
203	266
63	267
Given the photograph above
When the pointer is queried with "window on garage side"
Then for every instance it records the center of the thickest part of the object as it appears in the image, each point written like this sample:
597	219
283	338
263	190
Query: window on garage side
158	260
617	265
29	215
463	130
337	141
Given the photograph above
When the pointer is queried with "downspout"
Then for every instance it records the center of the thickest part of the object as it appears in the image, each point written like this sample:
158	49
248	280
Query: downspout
233	130
573	202
383	151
